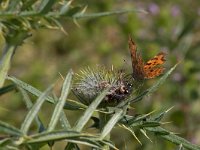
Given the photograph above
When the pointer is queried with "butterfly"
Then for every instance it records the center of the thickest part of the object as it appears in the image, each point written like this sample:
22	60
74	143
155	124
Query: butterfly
148	70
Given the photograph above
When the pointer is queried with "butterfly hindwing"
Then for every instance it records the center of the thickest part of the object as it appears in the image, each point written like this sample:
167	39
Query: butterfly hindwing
154	72
151	68
159	59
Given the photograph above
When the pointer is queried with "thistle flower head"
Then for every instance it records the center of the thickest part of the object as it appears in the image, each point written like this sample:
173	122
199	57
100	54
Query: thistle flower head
89	83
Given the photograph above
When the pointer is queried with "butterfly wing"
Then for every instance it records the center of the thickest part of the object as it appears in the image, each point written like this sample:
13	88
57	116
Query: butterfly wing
159	59
151	68
154	72
137	62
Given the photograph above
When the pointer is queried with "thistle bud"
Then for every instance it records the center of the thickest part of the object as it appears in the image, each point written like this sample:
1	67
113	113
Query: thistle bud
89	83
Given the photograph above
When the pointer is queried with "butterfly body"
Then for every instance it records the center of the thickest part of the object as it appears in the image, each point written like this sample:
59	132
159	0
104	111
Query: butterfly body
148	70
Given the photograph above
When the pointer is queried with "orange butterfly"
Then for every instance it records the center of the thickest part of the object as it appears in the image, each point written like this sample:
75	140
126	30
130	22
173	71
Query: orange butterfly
148	70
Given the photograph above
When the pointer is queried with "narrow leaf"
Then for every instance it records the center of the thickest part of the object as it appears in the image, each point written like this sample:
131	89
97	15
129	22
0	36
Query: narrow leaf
132	132
65	7
46	6
145	134
89	111
60	104
161	115
29	105
69	136
5	63
74	105
111	123
150	124
9	129
102	14
34	110
54	135
173	138
64	121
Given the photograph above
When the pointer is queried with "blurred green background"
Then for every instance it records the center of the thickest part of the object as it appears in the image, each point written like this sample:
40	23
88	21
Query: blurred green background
170	26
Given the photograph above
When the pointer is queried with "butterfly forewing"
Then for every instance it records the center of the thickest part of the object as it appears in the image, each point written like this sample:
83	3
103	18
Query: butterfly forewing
148	70
137	62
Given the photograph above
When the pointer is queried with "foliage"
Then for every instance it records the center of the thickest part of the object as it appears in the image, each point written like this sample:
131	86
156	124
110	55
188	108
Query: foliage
21	19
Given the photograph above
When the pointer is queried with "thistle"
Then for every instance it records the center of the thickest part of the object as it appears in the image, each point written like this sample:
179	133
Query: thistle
91	82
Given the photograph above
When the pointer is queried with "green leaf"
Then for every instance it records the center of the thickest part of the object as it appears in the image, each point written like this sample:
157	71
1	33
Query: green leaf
130	119
53	136
29	105
5	63
65	7
89	111
173	138
34	110
150	124
130	129
9	129
64	121
46	6
74	105
70	136
161	115
111	123
145	134
180	147
60	104
102	14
